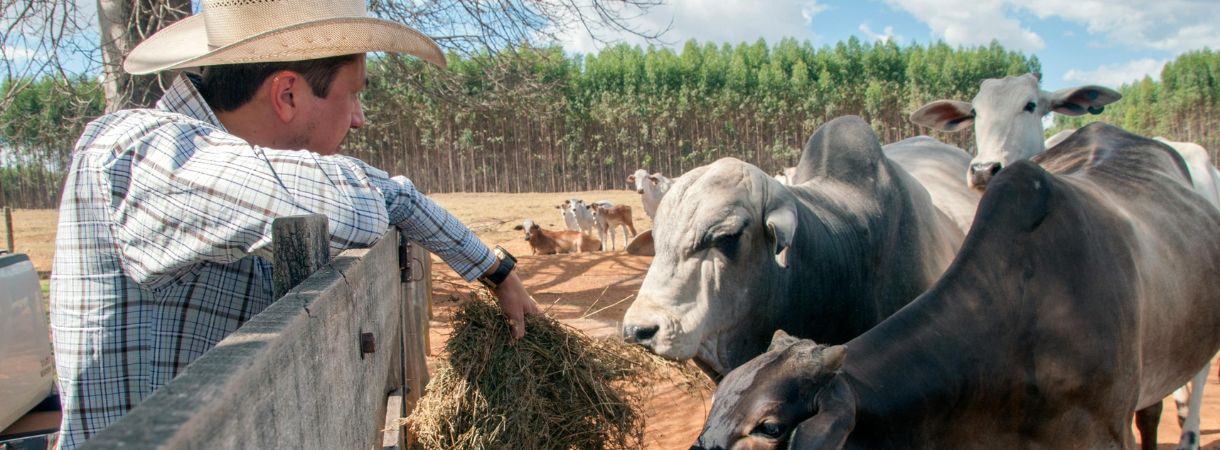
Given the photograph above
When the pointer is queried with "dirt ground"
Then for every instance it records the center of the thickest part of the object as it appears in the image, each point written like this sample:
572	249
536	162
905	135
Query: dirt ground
588	291
569	287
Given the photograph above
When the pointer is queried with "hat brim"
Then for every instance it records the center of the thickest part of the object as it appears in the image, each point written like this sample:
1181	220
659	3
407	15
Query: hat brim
185	44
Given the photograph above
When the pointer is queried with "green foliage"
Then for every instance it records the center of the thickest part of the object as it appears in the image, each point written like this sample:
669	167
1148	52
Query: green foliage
516	121
44	119
1183	106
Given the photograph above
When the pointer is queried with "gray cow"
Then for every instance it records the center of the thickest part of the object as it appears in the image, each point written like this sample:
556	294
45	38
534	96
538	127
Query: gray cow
739	254
1007	117
1047	331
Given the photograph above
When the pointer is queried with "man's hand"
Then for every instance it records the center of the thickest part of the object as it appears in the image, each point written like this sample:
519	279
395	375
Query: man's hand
516	303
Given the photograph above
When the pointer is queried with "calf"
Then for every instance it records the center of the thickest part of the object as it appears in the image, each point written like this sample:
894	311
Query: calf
609	217
547	242
578	216
1047	331
651	189
569	216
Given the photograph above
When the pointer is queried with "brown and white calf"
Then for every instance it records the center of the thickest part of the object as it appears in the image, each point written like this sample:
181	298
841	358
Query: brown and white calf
548	242
610	217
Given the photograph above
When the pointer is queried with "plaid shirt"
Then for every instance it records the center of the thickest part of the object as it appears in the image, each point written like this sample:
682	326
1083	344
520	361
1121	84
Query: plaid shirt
162	248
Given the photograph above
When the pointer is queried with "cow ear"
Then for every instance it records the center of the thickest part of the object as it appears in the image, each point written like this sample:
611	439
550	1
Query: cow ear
781	340
944	115
833	421
631	179
781	226
1079	100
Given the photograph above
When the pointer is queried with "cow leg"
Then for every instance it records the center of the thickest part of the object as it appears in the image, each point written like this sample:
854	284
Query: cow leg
1190	424
1181	398
1147	420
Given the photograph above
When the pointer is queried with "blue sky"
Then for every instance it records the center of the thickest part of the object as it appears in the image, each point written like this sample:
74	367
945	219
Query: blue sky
1107	42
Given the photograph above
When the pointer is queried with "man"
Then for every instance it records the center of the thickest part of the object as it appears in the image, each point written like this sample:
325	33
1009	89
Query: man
166	213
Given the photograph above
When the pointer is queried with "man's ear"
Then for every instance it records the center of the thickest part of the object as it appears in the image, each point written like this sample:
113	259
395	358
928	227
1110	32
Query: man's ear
283	87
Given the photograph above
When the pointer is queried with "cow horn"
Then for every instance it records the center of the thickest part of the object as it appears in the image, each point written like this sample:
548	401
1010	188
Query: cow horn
781	340
832	357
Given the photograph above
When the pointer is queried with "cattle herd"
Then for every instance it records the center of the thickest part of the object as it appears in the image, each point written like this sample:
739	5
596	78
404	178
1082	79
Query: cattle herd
870	297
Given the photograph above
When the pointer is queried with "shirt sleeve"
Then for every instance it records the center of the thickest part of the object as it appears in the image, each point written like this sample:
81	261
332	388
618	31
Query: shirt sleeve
198	194
423	221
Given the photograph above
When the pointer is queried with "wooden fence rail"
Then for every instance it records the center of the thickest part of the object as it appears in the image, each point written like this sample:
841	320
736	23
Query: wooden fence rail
313	370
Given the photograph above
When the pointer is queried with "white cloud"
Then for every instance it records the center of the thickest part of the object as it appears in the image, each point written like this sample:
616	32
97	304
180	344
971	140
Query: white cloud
1173	26
731	21
886	34
18	53
1169	25
1114	75
972	22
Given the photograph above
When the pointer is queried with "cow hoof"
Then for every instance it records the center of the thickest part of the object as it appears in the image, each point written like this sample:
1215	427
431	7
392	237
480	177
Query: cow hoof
1189	441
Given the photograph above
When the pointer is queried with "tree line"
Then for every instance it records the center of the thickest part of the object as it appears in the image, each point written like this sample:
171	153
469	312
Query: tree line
546	122
541	120
1182	106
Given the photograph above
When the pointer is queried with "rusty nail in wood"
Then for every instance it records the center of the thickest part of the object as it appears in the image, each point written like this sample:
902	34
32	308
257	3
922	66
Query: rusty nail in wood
368	344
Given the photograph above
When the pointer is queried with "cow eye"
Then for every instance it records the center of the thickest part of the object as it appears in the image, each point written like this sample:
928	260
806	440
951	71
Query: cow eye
768	429
972	113
727	243
1029	107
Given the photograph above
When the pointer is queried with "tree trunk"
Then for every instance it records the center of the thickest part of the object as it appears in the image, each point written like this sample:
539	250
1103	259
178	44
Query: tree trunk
123	24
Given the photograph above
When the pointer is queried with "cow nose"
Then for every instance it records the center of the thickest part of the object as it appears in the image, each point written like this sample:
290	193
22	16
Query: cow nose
636	334
639	191
981	174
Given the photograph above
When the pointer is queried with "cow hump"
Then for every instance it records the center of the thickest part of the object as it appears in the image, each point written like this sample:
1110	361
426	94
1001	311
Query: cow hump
844	149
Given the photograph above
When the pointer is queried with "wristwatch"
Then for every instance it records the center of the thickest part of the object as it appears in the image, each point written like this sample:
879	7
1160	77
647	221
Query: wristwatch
507	262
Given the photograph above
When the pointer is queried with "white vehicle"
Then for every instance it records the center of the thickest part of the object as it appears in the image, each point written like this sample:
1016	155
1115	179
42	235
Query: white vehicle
29	411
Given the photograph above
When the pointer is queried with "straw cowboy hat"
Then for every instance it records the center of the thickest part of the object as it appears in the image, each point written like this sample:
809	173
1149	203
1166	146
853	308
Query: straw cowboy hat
250	31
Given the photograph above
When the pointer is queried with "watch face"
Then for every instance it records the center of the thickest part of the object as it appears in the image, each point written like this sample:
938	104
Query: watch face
504	254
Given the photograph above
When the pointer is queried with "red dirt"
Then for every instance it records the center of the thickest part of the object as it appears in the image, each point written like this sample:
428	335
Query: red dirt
570	286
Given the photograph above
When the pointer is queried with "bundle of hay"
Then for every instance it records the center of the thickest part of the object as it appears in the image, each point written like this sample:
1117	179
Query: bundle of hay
554	389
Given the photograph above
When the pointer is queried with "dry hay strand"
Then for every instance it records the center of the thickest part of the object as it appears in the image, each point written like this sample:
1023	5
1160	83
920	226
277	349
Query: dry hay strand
556	388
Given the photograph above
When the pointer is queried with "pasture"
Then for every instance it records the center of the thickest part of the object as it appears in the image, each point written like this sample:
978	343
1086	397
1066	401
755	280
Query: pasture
588	291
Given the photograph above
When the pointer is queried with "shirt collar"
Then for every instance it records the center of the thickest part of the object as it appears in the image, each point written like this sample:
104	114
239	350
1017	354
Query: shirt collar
183	97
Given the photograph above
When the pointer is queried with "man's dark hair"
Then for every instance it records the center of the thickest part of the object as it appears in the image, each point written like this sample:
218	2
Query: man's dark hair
227	87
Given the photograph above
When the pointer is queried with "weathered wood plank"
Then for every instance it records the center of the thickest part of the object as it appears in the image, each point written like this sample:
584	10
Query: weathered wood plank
301	245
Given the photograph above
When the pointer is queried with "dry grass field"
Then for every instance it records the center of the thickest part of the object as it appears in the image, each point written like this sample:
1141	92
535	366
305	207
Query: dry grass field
588	291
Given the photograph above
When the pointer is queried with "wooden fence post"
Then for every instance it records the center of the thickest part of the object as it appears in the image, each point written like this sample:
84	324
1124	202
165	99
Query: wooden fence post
415	265
8	226
301	245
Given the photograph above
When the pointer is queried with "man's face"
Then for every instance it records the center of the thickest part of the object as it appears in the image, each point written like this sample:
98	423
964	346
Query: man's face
328	120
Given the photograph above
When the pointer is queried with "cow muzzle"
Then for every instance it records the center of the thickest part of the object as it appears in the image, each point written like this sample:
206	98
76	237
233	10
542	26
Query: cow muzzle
981	174
640	334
